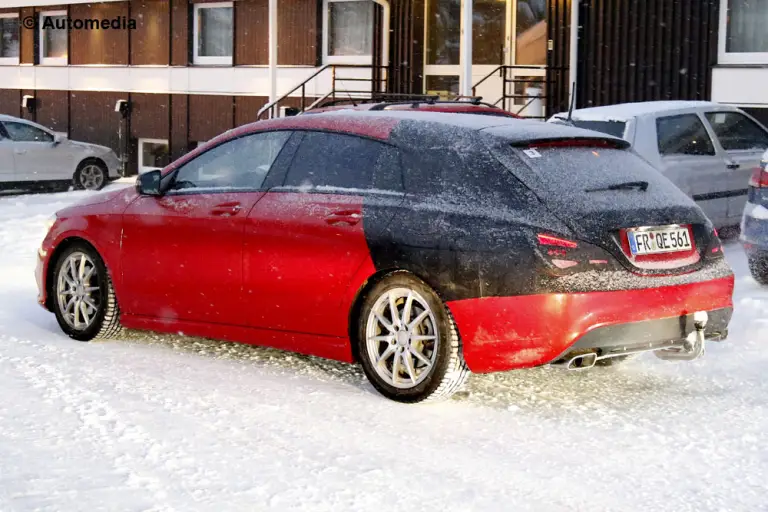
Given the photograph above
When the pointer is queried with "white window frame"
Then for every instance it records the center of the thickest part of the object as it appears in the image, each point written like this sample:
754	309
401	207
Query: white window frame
50	61
11	61
343	59
724	57
202	59
141	167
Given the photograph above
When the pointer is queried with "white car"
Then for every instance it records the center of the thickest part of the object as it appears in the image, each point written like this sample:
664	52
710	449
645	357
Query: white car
707	149
32	156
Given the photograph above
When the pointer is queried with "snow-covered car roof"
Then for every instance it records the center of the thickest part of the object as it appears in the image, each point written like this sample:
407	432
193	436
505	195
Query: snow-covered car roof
627	111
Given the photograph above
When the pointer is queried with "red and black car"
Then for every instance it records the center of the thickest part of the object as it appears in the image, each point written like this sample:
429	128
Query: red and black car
421	245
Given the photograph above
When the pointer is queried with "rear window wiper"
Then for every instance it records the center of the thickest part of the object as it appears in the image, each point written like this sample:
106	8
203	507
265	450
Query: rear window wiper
629	185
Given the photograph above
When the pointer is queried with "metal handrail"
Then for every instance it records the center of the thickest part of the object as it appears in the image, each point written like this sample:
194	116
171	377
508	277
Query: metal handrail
270	107
503	72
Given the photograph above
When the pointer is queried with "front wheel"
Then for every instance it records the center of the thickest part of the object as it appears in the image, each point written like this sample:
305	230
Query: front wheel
758	266
83	298
408	343
91	175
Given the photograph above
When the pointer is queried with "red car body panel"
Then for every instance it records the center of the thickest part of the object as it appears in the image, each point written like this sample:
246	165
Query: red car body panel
506	333
301	253
195	242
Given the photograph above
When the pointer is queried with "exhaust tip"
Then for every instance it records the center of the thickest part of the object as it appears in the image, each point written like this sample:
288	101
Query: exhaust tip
582	362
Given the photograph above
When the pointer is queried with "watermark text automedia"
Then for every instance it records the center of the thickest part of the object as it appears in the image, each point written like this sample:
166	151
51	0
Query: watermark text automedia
67	23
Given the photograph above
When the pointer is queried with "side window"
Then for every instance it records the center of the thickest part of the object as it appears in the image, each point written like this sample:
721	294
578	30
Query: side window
21	132
683	135
337	161
239	164
736	131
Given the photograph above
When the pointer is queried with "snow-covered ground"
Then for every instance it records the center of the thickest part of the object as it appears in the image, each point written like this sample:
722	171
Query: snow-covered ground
166	423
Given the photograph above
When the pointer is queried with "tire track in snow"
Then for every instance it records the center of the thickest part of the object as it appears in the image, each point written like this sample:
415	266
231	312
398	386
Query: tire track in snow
161	469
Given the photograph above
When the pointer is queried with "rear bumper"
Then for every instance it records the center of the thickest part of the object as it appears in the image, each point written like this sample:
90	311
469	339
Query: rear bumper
506	333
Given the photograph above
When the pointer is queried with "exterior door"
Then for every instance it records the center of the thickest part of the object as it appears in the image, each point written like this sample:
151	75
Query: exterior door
182	253
743	141
690	161
305	240
506	32
36	156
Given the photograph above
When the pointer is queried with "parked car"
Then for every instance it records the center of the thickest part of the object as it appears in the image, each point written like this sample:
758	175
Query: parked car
421	245
707	149
754	225
430	105
31	155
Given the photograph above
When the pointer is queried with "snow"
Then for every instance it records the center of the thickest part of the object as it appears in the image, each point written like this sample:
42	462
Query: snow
165	423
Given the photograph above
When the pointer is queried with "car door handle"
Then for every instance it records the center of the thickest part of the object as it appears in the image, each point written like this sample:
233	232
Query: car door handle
350	217
733	166
20	151
226	209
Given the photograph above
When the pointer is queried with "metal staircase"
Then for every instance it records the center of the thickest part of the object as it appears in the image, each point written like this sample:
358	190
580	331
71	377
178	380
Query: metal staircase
345	82
514	80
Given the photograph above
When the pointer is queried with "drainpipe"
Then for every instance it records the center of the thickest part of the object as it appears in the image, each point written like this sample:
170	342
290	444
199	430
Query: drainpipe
466	47
574	46
272	51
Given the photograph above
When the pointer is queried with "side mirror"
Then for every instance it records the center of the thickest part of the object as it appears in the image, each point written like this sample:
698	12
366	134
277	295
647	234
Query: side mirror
57	139
148	183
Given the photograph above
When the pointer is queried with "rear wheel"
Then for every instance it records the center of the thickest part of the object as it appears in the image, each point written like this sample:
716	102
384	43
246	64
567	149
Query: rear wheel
408	343
758	266
83	298
91	175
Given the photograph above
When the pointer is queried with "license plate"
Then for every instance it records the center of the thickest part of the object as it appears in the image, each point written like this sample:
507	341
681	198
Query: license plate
657	241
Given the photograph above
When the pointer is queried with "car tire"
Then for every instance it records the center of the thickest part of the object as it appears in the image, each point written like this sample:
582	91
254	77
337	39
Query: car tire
413	355
83	296
758	266
91	174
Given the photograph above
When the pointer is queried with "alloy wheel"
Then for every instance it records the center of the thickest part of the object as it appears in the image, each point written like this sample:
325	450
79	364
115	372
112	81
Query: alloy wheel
78	291
91	177
402	339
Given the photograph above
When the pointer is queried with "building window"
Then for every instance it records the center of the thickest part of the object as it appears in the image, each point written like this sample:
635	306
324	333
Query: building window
53	38
348	31
213	33
153	154
743	34
9	39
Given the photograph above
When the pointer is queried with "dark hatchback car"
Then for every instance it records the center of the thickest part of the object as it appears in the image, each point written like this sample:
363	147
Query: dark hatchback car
421	245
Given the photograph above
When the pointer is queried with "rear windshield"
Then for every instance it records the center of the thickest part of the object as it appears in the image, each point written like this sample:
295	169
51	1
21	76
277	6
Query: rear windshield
615	128
583	175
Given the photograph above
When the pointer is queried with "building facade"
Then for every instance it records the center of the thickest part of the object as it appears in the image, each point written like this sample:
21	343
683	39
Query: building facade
191	69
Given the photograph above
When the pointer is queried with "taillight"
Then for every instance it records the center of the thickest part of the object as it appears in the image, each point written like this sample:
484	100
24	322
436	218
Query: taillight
715	248
564	256
556	241
759	178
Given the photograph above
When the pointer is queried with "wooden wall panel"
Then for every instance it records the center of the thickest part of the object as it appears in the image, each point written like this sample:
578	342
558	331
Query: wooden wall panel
93	119
406	47
297	27
179	125
99	46
150	42
27	43
150	116
180	33
209	116
252	33
557	89
645	51
53	110
246	108
10	102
